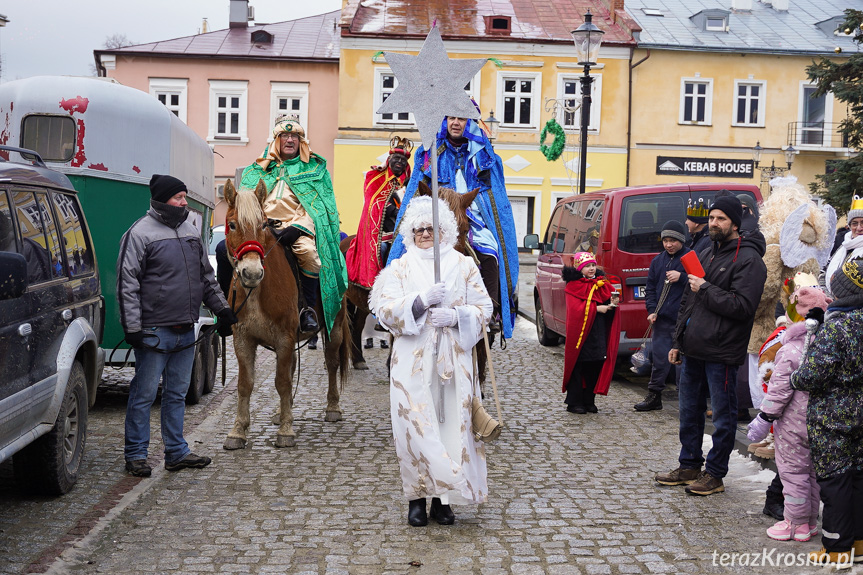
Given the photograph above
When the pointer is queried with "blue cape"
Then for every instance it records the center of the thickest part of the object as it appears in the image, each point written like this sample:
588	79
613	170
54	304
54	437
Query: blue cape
484	170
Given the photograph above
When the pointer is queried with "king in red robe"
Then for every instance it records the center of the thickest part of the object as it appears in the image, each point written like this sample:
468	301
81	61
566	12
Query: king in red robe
382	192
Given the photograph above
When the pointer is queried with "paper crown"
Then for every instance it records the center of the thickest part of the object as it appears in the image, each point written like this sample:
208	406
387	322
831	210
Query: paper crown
401	146
856	207
852	272
697	209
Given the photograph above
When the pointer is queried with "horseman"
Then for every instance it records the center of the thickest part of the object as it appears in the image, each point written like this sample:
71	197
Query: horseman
301	201
467	161
382	193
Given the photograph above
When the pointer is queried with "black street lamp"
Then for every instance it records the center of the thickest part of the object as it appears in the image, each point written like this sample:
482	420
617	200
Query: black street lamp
587	38
770	172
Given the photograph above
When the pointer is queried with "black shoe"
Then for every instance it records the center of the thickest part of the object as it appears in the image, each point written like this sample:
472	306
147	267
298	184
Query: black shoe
384	344
576	409
139	468
774	510
417	516
308	320
591	408
441	513
190	461
370	343
652	402
313	344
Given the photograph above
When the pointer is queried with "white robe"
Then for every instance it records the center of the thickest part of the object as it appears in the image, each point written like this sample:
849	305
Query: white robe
436	459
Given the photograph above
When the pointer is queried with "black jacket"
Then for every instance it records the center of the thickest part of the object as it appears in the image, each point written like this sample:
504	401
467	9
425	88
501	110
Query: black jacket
700	241
656	282
714	323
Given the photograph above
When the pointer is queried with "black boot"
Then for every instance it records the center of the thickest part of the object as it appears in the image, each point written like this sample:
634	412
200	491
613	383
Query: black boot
651	402
575	398
308	317
590	402
441	513
417	516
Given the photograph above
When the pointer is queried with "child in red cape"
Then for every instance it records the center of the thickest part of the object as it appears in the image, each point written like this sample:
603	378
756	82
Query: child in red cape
591	340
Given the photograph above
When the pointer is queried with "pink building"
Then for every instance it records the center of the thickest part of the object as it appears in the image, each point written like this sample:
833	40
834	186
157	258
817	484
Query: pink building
229	85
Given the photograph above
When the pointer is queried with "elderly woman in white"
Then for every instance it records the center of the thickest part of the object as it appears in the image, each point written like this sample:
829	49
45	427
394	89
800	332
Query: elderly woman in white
430	403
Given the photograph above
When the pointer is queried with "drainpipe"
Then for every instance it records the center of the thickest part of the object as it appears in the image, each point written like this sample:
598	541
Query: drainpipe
629	112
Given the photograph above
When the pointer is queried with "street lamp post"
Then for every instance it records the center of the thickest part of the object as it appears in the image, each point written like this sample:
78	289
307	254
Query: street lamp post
770	172
587	38
492	124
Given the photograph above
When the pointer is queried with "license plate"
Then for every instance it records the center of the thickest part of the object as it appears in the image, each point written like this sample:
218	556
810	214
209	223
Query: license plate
639	292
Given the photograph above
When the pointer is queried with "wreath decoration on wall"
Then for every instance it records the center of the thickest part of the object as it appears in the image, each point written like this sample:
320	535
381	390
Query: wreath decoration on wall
554	151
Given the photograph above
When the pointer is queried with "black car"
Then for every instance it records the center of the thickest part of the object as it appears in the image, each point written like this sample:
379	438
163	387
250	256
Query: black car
51	323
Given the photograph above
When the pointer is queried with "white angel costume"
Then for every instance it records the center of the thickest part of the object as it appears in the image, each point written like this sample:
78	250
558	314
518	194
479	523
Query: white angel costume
430	404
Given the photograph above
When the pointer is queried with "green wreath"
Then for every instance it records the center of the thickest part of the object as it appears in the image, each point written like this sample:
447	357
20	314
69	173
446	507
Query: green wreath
554	151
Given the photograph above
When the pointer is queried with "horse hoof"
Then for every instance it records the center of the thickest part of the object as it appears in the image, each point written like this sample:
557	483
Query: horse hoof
361	366
333	416
286	441
232	443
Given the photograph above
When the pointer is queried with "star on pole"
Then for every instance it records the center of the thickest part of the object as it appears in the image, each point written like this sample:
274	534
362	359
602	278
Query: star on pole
431	86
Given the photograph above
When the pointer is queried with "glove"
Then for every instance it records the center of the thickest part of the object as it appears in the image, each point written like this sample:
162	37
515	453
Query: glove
758	428
816	313
227	318
434	295
288	236
135	339
443	317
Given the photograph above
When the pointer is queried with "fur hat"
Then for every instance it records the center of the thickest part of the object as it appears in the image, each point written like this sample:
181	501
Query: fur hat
674	230
804	299
847	284
581	259
419	213
697	211
163	188
731	207
856	210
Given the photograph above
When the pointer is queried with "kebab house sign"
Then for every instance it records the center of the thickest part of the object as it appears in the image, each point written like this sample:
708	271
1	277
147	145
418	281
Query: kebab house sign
712	167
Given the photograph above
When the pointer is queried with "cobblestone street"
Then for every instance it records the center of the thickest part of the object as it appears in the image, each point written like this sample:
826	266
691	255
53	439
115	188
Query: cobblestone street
568	493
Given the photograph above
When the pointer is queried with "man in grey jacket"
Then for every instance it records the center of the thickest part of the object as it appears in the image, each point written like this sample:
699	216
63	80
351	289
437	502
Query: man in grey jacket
163	276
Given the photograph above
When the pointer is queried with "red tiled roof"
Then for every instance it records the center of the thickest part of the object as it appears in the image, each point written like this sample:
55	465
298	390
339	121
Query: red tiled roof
315	38
532	20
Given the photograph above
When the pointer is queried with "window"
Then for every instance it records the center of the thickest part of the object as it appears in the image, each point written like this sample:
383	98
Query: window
228	106
813	114
52	137
518	99
385	85
569	90
7	230
172	93
715	24
39	236
696	101
749	108
292	99
78	252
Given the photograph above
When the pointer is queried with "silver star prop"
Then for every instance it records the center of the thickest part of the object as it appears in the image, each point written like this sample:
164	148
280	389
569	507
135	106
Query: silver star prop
431	86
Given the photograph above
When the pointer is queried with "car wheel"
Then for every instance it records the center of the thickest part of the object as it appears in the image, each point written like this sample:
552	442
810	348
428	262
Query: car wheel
543	334
211	362
50	464
197	384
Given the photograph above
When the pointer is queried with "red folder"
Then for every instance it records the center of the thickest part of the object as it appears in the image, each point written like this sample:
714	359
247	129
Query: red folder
692	265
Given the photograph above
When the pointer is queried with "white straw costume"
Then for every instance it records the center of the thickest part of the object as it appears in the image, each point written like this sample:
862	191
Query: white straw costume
436	459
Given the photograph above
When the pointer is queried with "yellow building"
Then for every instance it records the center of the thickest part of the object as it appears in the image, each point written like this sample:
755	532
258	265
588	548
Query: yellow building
710	84
533	77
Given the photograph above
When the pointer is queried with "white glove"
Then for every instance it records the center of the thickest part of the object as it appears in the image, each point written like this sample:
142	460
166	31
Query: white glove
443	317
434	295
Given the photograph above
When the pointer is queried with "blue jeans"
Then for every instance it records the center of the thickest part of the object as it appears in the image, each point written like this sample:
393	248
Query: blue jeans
149	366
661	341
695	379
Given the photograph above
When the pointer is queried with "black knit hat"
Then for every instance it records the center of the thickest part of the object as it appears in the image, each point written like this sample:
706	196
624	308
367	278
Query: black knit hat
847	284
163	188
731	207
674	230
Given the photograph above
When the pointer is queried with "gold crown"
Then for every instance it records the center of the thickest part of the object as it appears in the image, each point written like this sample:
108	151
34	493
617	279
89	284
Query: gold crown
857	203
852	272
698	210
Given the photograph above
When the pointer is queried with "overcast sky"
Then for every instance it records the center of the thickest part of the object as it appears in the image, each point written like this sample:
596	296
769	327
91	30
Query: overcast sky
58	36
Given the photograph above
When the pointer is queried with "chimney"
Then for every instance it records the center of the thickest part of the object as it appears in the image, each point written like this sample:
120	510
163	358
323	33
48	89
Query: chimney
780	5
238	17
741	5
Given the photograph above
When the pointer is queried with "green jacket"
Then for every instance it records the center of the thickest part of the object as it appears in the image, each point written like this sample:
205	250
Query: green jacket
311	183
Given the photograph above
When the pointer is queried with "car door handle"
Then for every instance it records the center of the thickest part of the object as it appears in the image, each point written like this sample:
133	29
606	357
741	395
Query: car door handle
25	329
66	314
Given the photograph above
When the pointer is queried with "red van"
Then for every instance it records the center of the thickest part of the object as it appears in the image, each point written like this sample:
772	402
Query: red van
621	227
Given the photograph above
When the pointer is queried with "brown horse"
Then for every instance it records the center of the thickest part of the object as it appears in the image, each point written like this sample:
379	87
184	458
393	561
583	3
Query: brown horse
264	296
357	296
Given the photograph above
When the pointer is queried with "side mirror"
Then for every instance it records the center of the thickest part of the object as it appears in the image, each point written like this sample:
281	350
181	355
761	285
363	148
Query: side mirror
531	241
13	275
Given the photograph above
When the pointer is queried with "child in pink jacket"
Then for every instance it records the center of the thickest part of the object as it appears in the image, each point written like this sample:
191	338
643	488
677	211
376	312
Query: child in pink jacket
785	408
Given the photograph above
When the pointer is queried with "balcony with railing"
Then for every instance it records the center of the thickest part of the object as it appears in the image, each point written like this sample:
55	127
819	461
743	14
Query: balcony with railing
821	135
